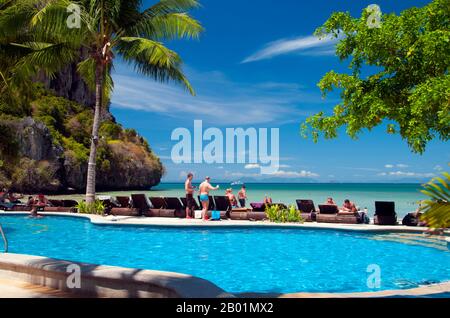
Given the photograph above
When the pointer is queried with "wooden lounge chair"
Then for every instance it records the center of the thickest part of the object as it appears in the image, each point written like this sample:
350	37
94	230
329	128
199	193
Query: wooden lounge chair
307	210
223	205
160	208
175	204
63	206
184	202
330	214
125	208
240	213
385	213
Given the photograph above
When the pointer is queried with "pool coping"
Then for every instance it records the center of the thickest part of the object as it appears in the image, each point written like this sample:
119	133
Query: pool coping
102	281
49	272
192	223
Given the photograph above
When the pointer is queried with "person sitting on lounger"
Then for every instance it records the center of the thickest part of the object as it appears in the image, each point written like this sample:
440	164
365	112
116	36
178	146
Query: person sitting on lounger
267	200
205	187
231	197
14	199
330	201
3	196
349	206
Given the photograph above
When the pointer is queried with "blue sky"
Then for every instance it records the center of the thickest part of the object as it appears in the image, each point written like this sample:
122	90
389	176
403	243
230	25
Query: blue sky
257	65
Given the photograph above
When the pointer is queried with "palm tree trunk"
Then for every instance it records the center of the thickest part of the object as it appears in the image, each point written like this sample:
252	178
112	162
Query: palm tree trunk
90	187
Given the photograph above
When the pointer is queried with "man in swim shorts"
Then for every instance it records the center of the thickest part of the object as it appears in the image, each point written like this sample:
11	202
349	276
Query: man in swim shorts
205	187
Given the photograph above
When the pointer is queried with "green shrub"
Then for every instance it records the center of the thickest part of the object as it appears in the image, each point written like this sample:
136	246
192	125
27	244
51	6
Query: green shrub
110	130
97	207
279	215
80	152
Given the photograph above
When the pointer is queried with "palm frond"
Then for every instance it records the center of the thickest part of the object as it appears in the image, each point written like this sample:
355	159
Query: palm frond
153	59
168	26
86	69
437	208
171	6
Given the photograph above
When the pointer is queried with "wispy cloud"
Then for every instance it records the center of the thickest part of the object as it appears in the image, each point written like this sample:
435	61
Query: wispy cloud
406	174
252	166
438	168
279	174
219	101
305	45
398	165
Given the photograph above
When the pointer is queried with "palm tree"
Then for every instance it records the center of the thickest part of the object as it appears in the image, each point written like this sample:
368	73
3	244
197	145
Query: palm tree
437	208
108	28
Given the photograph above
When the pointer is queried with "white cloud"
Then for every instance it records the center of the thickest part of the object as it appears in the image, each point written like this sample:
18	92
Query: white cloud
294	174
438	168
398	165
407	174
305	45
278	174
252	166
219	101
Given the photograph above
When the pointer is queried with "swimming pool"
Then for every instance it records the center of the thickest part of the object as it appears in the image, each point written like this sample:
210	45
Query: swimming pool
275	260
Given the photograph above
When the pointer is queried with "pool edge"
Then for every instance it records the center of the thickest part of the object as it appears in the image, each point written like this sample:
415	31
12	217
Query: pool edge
184	223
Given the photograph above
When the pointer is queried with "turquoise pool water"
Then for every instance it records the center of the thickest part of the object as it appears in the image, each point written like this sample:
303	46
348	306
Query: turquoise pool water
237	260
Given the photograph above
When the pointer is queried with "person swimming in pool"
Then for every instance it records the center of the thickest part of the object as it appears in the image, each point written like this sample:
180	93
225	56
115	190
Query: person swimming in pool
37	204
205	187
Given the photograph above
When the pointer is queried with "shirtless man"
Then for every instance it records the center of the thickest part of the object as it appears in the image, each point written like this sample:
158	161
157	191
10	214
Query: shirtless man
189	196
205	187
349	206
231	197
242	195
330	201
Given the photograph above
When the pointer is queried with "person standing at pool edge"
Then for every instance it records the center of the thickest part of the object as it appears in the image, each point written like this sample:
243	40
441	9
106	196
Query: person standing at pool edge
242	195
189	195
205	187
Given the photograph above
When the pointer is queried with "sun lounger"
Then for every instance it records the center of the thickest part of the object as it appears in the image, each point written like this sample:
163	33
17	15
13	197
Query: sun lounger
160	209
344	218
63	206
239	213
125	208
21	208
307	210
385	213
184	201
124	202
175	204
7	206
223	205
330	214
